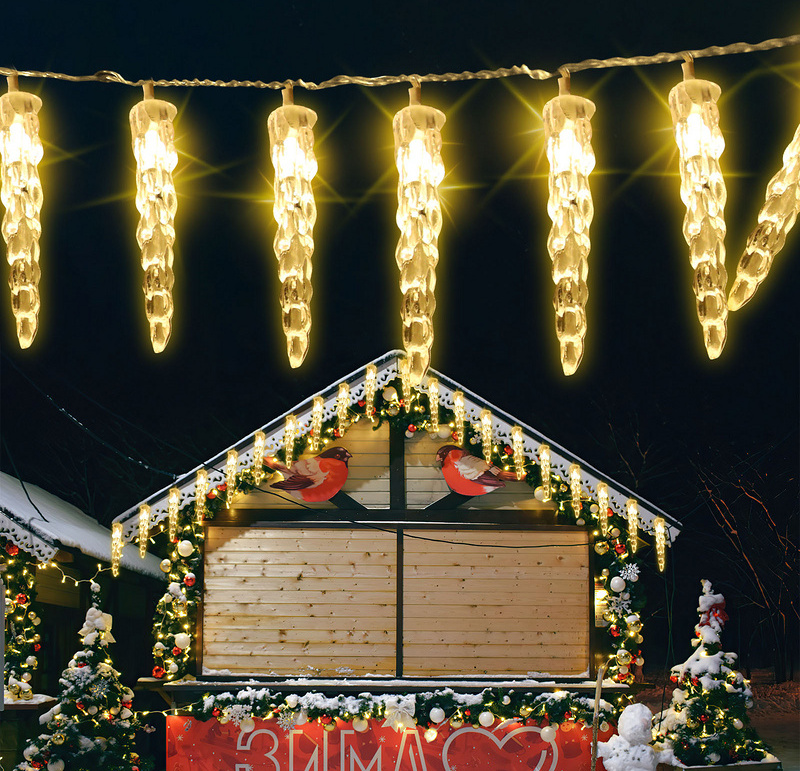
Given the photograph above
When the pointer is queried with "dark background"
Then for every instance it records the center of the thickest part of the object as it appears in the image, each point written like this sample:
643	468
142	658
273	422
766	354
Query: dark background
713	443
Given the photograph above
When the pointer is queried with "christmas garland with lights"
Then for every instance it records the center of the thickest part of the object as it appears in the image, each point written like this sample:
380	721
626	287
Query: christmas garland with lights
408	409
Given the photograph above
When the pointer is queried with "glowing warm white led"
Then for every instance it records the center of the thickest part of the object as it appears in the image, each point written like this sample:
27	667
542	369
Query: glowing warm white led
775	220
433	403
602	505
660	528
519	451
116	547
632	509
404	368
144	529
370	386
486	435
292	148
459	416
568	135
418	146
575	488
695	116
289	436
231	467
21	193
200	492
544	462
342	406
318	405
172	512
259	447
154	149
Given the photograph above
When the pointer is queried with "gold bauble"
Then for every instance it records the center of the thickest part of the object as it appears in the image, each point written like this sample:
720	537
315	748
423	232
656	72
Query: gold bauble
59	738
166	565
27	694
601	547
37	638
624	657
635	626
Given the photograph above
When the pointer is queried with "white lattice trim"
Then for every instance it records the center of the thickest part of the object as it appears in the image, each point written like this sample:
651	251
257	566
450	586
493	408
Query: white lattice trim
28	541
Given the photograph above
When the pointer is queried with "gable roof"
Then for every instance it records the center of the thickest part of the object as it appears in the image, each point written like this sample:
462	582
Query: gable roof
387	370
56	525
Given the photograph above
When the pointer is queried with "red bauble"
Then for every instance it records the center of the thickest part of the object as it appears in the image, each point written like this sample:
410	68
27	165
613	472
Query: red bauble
211	494
223	487
567	715
336	432
127	704
176	651
614	631
467	712
362	402
135	768
412	428
21	599
530	721
159	672
37	646
79	704
216	712
695	681
110	718
36	764
673	678
620	548
189	580
508	450
703	718
12	549
325	719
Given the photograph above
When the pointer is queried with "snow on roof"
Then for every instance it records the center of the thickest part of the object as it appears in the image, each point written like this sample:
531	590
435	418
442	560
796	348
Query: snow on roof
387	370
59	524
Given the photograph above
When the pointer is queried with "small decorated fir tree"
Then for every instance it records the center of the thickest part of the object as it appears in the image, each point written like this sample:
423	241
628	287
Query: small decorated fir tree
706	722
92	726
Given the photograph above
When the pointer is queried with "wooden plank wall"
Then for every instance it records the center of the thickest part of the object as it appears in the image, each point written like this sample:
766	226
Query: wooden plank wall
299	601
493	610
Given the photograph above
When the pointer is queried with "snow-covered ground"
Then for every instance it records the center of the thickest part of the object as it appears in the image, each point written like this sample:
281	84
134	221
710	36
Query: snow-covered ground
782	732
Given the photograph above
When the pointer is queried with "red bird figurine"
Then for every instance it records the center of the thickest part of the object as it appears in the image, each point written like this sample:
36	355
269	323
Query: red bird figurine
469	475
315	479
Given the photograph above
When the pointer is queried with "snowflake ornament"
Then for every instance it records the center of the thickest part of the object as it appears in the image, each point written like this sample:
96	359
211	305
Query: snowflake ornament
619	605
629	572
287	720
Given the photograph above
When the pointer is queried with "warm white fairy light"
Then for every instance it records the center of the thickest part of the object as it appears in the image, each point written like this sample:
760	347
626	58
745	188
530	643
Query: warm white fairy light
289	436
775	220
433	403
231	467
21	193
404	368
602	504
418	145
370	386
660	528
459	416
116	547
259	448
575	488
153	138
568	136
200	492
342	407
695	116
173	503
544	463
519	451
144	529
292	148
317	407
632	509
486	435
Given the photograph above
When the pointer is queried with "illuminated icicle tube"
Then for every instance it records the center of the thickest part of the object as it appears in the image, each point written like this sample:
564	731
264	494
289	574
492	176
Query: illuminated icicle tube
317	406
21	193
519	451
544	462
695	116
116	547
459	416
433	402
342	405
144	529
486	435
173	505
602	505
289	436
231	467
568	135
259	447
632	509
575	488
200	492
291	141
660	528
404	368
370	386
418	145
153	137
775	220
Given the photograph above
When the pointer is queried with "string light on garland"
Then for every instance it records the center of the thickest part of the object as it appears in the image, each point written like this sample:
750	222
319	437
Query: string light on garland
632	509
153	138
370	387
342	406
568	136
231	467
433	403
695	117
486	435
418	145
544	463
173	506
22	196
602	505
660	527
116	547
575	488
317	407
775	220
519	452
291	140
144	529
459	416
200	492
289	437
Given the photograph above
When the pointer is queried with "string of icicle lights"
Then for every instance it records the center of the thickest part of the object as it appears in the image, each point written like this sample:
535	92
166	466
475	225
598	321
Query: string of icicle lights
418	140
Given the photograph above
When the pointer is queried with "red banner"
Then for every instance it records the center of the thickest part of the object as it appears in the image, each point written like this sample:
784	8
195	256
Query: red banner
193	745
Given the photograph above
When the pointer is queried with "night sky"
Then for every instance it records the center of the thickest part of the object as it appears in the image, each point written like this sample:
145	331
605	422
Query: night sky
646	406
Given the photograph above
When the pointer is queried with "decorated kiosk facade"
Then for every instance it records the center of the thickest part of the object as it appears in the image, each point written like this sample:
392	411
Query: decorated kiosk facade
384	558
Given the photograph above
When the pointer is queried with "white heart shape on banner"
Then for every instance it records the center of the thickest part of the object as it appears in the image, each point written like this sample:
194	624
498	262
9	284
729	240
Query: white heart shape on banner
500	743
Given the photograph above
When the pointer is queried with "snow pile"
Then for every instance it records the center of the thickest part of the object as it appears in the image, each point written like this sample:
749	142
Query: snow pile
630	750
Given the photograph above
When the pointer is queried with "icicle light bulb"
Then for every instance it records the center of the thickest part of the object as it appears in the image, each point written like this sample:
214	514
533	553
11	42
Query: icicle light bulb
317	407
575	488
116	547
544	462
21	193
370	386
173	505
404	369
200	492
342	405
418	147
519	451
695	116
289	436
144	529
291	141
433	403
231	467
568	136
660	528
154	149
259	448
632	509
775	220
602	505
486	435
459	416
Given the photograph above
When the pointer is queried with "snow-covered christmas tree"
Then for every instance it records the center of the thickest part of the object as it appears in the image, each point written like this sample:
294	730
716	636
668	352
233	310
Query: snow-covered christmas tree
706	722
92	726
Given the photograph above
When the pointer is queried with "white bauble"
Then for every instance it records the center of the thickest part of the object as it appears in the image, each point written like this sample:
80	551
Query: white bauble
389	393
738	724
25	677
31	661
185	548
92	710
617	584
506	700
594	508
114	710
548	734
444	432
486	718
56	764
360	724
301	718
247	724
292	700
125	713
538	493
430	734
172	668
182	640
437	715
